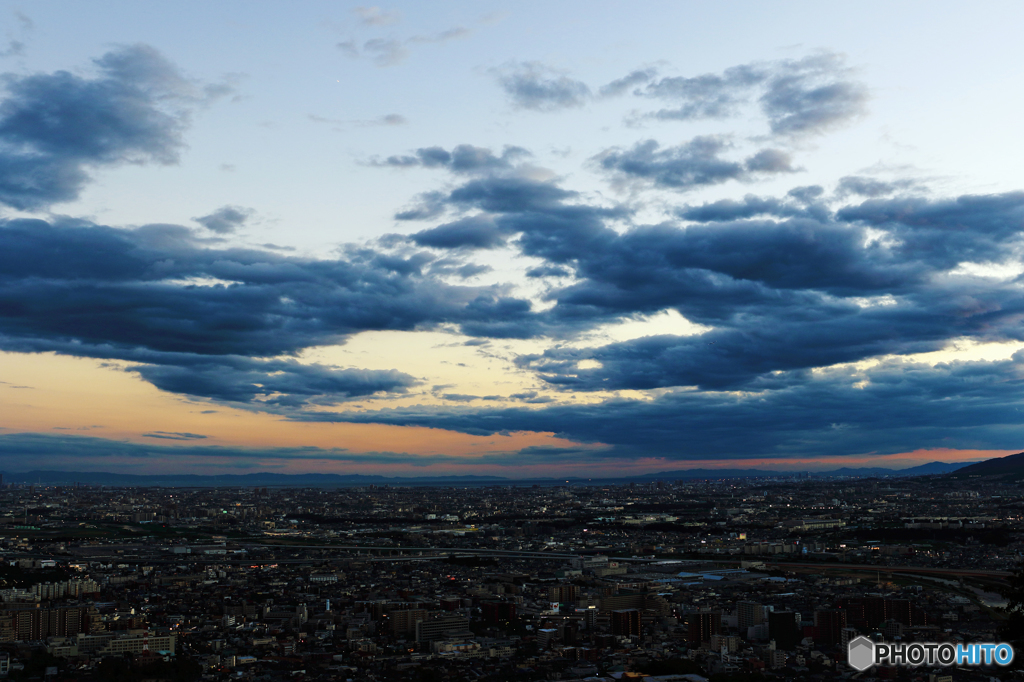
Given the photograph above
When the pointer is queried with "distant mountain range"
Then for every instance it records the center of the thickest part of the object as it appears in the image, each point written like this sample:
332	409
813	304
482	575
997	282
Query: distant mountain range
1010	467
266	479
930	469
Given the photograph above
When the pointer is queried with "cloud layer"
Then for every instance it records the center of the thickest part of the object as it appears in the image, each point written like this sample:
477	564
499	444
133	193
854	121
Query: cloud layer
203	320
25	451
696	163
796	97
787	283
55	128
891	408
789	291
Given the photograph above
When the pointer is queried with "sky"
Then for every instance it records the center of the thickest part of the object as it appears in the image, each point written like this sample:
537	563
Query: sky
515	239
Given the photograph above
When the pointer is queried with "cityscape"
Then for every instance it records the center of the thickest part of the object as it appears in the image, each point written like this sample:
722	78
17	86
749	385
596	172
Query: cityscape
727	579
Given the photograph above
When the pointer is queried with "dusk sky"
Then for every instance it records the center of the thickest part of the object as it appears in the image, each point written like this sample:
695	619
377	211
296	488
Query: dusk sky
513	238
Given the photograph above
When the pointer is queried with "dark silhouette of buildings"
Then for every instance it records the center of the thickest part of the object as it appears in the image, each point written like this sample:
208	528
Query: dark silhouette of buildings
784	629
626	622
701	625
870	612
495	612
828	626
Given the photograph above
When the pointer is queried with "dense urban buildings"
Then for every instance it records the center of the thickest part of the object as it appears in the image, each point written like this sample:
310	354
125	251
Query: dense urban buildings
671	580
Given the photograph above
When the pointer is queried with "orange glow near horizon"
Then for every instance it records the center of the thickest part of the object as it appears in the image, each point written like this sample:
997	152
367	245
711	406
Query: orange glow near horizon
52	394
583	467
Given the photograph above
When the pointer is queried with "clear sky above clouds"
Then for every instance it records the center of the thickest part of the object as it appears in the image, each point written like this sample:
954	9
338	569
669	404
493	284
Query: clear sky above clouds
509	238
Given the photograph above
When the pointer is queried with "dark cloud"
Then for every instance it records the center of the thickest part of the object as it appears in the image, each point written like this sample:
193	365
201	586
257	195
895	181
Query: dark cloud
770	161
225	219
284	383
945	232
785	284
510	194
790	294
548	271
174	435
548	452
428	157
471	270
26	451
807	194
428	205
463	158
158	288
501	317
456	267
706	96
467	158
621	85
55	128
477	232
894	407
745	355
531	85
193	319
858	185
531	397
31	451
550	226
728	210
526	395
697	163
797	97
812	95
794	268
459	397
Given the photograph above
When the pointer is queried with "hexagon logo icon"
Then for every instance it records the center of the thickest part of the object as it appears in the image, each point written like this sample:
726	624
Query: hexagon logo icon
860	653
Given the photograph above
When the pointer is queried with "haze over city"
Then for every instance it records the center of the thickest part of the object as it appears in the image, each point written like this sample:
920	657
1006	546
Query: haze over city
509	239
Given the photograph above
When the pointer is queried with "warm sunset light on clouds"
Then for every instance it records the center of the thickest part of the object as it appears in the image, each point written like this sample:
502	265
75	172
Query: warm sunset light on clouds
509	239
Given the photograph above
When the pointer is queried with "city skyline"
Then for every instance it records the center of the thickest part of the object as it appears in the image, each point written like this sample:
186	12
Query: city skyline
508	239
